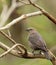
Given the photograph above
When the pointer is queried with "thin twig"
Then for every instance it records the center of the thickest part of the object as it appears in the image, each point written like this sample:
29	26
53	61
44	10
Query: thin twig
20	18
4	34
53	49
19	54
49	16
23	2
9	33
3	54
29	54
20	46
13	52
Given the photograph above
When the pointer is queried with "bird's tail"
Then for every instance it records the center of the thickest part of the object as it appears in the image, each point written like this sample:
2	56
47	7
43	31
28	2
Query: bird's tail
47	55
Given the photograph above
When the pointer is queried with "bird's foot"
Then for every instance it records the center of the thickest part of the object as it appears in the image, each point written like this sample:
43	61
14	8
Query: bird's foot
40	52
36	53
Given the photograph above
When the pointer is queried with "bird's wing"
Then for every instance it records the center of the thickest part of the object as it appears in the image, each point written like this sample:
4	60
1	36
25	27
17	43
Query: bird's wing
37	40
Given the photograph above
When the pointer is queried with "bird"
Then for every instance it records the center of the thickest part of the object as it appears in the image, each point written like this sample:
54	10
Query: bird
36	42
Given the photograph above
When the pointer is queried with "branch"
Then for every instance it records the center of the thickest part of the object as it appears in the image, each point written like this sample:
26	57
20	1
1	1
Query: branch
8	31
49	16
3	54
19	54
20	46
26	3
53	49
29	55
23	51
6	12
5	7
13	52
20	18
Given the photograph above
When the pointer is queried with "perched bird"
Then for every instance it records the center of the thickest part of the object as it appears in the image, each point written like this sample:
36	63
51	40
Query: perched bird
37	42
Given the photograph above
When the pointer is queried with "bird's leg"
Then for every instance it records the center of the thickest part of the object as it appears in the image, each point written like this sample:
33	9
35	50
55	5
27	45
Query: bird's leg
33	51
40	52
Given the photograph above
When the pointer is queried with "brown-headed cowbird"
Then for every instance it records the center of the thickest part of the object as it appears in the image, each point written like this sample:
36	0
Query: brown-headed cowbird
37	42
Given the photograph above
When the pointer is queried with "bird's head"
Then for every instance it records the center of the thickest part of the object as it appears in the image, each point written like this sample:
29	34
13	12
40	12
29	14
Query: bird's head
30	29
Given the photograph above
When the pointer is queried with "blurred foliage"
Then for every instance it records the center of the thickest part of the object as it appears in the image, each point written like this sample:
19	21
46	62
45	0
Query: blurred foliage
42	24
19	61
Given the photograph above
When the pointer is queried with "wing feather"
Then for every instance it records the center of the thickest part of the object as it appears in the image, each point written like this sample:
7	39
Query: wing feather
37	41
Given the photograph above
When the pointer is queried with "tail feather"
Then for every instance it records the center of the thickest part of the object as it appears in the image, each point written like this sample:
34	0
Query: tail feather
47	55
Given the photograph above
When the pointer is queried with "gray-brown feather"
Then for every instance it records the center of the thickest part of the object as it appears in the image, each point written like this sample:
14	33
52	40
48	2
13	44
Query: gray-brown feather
37	42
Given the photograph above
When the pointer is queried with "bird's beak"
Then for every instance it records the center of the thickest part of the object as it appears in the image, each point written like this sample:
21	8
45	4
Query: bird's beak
28	29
